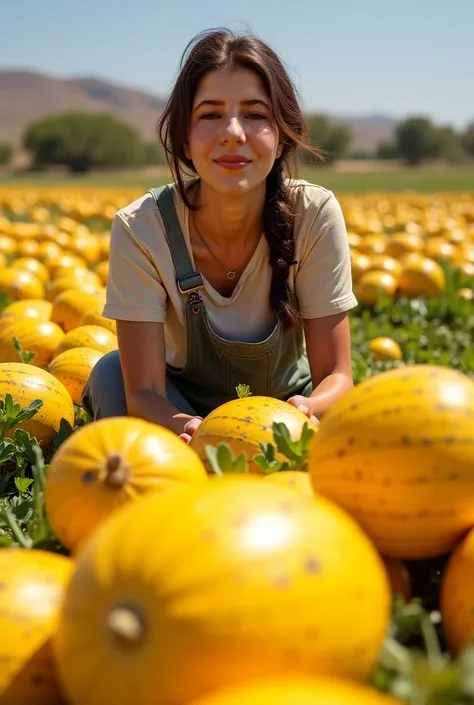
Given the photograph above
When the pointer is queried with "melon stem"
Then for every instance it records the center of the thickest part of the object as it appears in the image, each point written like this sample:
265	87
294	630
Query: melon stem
117	472
126	627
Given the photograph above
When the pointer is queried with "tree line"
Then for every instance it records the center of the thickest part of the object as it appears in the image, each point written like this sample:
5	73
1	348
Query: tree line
82	141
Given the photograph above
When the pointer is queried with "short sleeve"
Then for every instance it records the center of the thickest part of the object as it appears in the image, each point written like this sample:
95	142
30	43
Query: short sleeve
323	282
134	290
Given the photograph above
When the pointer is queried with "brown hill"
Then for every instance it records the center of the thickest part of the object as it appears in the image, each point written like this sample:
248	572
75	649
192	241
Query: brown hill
26	96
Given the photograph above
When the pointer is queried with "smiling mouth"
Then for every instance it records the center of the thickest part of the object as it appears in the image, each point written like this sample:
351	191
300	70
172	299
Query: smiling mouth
232	164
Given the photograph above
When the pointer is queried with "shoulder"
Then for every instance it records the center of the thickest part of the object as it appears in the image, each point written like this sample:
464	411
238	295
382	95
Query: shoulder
139	224
142	207
316	207
142	219
308	196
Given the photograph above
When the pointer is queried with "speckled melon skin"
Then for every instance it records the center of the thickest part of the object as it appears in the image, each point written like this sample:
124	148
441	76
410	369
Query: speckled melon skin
26	383
245	579
244	424
32	584
397	452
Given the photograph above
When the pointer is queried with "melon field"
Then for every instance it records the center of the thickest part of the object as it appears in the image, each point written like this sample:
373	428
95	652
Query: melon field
271	561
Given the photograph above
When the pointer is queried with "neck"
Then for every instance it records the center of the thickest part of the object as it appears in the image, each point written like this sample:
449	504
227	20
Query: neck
224	219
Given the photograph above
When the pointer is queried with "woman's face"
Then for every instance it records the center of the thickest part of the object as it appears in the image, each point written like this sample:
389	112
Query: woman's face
233	140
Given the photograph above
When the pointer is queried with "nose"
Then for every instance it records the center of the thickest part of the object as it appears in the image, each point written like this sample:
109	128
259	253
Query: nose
233	131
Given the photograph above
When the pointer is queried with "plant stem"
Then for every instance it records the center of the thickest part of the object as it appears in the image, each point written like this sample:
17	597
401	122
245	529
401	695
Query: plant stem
394	655
15	529
433	649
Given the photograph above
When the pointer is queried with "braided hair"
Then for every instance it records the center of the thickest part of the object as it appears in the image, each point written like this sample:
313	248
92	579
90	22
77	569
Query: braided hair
278	220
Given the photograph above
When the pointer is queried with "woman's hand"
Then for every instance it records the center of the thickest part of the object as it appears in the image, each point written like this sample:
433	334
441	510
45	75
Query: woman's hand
302	404
190	427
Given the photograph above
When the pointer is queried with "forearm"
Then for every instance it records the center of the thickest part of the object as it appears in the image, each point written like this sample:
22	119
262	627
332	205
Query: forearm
328	391
147	404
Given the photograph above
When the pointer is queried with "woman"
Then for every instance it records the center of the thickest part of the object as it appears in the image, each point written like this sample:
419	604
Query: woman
237	275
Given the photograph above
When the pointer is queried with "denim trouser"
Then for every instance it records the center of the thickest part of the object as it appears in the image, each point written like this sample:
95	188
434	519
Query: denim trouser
104	394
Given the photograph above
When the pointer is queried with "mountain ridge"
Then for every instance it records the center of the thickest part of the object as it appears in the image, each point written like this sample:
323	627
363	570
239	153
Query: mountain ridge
28	94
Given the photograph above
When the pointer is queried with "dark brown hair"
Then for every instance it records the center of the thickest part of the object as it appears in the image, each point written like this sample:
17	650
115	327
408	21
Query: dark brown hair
222	49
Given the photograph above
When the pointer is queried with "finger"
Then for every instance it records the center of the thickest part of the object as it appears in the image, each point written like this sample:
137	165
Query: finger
303	407
301	403
185	437
192	425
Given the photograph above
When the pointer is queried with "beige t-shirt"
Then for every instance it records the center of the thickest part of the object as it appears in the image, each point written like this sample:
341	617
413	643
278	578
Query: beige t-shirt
142	279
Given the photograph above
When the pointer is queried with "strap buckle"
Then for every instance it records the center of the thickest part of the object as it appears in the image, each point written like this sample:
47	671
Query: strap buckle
190	284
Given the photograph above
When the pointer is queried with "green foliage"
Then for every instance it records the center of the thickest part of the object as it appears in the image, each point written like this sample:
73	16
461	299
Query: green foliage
12	415
222	460
23	520
65	430
81	141
22	514
6	153
24	356
332	138
414	666
387	150
467	139
424	179
243	390
152	154
449	144
437	330
296	451
416	139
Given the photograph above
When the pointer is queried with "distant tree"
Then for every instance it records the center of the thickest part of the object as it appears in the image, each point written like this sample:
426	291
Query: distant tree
387	150
6	153
153	153
467	139
360	155
416	139
448	144
82	141
332	138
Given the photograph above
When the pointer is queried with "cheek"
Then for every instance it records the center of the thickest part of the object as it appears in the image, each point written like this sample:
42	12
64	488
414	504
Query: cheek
265	140
201	136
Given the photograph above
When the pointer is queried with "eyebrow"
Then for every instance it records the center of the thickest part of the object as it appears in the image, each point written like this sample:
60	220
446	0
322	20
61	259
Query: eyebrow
253	101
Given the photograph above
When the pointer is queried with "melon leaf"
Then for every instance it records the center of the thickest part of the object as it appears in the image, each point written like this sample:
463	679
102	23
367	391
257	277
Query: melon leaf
12	414
295	450
22	484
65	430
266	460
222	461
7	451
25	356
243	390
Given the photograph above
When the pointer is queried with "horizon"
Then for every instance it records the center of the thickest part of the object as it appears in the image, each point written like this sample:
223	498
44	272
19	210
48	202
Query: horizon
384	62
118	84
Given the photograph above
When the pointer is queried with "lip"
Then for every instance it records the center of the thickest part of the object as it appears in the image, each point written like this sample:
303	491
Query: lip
234	161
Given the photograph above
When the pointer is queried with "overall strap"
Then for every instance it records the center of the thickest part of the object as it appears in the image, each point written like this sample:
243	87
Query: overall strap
189	281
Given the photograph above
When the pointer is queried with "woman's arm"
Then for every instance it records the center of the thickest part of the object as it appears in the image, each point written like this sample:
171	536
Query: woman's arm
323	287
329	354
143	360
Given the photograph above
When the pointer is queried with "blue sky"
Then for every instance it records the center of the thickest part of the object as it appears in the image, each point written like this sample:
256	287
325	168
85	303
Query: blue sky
347	57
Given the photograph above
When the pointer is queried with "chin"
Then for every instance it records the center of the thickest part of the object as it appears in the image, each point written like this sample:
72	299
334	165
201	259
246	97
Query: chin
236	187
237	184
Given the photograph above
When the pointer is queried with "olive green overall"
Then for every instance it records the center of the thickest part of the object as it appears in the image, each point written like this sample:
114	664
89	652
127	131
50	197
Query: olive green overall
276	367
